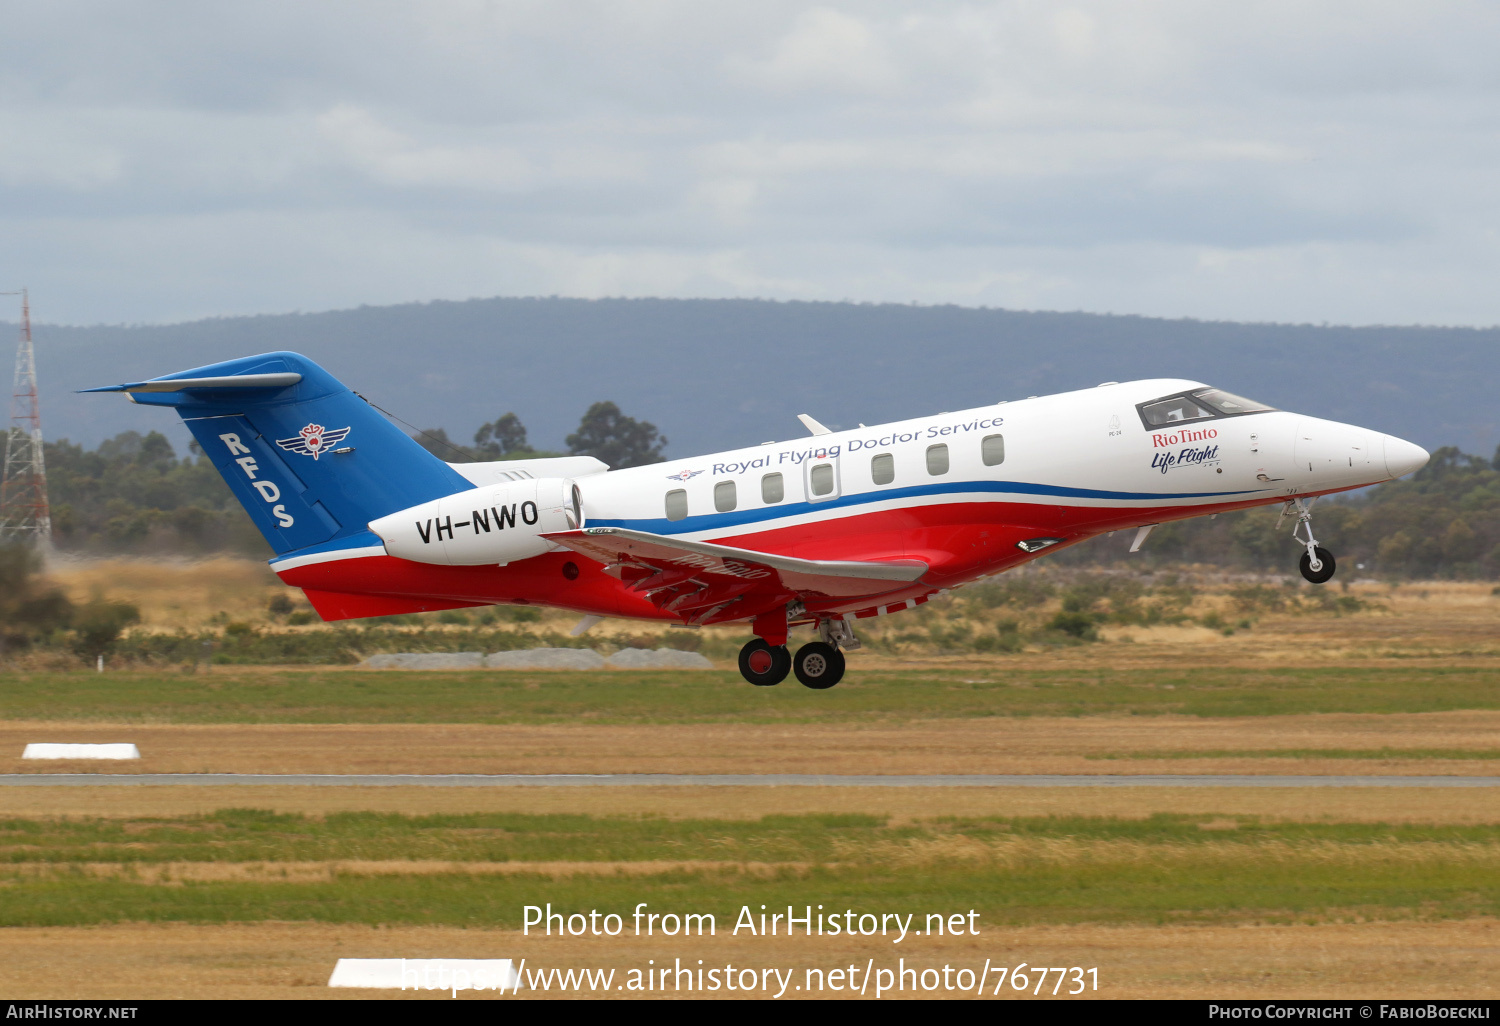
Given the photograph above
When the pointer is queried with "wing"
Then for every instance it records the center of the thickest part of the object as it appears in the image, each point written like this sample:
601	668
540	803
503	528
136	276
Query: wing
707	583
334	437
297	445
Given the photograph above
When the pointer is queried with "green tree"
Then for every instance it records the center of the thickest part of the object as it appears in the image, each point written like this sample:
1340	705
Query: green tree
505	436
99	624
437	442
30	608
132	493
607	434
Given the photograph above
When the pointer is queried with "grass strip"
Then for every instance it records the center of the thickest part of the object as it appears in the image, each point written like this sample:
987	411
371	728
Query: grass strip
1013	870
250	835
327	695
1211	888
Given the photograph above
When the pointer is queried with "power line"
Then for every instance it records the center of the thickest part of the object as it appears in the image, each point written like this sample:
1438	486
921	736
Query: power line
467	457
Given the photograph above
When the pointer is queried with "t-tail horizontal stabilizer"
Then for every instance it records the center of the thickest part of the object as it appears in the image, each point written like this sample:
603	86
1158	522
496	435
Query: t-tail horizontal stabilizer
311	462
282	380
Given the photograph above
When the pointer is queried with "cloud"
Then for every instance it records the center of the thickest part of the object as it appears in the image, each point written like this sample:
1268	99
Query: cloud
1319	160
395	159
68	157
824	49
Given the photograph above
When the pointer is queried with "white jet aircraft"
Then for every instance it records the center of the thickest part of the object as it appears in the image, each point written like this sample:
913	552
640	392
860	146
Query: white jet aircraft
821	531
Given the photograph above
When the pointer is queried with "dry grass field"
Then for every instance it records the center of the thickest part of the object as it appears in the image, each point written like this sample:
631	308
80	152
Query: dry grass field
174	594
176	891
1457	622
293	960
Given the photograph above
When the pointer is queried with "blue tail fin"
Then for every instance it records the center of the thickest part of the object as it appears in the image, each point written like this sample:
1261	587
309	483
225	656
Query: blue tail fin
310	461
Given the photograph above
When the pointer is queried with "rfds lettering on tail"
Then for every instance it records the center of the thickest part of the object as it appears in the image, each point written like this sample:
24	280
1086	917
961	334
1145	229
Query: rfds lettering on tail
813	534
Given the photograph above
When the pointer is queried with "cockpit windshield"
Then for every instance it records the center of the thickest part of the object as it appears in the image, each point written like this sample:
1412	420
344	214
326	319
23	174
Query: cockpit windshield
1204	404
1173	411
1229	404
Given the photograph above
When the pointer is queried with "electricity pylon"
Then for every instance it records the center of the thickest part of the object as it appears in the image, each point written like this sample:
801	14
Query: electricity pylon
24	513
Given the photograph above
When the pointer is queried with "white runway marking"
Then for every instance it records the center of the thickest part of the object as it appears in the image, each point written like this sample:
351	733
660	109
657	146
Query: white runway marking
50	750
721	780
455	974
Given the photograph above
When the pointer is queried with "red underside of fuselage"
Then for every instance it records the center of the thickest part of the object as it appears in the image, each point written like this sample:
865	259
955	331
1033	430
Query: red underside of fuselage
958	541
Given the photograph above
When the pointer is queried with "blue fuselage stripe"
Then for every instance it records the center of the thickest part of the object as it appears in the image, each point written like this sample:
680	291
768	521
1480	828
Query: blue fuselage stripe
740	518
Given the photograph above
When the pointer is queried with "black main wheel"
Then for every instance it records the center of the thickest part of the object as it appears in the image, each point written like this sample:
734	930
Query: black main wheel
764	665
819	665
1324	573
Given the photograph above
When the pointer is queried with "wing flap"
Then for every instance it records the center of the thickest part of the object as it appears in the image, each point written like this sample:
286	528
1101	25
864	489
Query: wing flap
842	578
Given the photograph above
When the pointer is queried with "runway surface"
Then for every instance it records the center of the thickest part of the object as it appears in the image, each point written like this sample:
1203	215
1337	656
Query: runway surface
719	780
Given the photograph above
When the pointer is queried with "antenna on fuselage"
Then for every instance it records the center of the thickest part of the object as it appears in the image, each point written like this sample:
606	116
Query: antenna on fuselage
812	425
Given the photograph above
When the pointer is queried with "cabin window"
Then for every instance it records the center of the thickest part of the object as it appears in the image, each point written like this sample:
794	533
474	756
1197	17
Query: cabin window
676	504
937	460
772	489
883	468
724	496
992	450
1175	410
822	479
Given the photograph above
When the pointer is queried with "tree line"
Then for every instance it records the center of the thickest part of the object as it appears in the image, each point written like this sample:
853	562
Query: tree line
604	433
134	494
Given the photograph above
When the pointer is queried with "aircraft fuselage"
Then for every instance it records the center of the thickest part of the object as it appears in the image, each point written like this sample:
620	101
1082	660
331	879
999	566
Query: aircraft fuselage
968	494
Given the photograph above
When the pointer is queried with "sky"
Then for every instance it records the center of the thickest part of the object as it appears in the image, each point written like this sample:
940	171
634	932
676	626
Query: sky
1269	160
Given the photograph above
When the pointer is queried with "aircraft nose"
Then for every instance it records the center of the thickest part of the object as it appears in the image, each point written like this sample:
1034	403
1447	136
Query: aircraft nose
1402	457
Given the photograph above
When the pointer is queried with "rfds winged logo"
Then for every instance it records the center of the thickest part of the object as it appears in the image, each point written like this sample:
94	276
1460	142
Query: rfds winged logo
313	440
683	475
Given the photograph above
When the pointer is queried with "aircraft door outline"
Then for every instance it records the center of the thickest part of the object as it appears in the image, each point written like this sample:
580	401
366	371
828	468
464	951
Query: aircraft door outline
822	477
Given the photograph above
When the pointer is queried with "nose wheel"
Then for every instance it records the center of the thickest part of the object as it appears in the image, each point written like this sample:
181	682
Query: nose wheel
763	664
1317	563
1317	566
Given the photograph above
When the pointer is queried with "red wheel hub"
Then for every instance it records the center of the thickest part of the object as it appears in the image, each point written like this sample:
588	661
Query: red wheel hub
760	660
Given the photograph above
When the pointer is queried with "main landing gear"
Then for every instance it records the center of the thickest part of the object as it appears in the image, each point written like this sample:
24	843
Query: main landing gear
1317	563
818	664
763	664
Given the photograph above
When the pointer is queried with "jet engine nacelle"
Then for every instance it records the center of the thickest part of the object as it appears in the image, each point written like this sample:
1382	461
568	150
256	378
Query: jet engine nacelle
497	524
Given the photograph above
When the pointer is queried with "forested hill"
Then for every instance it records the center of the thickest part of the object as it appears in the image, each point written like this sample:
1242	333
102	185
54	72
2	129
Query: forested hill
713	374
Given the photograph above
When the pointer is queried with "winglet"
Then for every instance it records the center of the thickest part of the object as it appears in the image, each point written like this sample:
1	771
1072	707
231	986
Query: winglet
812	425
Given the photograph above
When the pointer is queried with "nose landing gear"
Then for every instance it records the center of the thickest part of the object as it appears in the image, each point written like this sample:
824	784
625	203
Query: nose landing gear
1317	563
